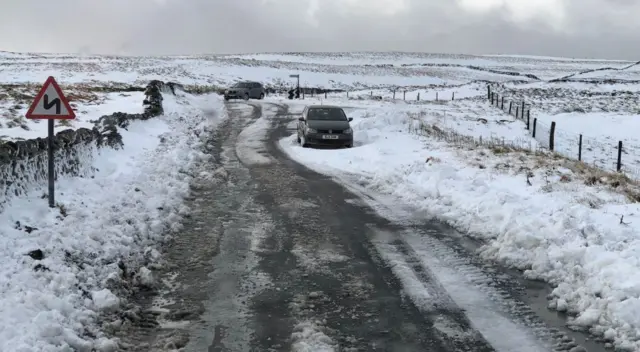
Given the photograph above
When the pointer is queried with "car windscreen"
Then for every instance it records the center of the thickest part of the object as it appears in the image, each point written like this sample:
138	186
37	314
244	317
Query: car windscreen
242	85
328	114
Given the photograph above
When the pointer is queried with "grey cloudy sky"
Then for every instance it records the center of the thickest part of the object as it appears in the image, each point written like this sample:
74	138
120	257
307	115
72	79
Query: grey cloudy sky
574	28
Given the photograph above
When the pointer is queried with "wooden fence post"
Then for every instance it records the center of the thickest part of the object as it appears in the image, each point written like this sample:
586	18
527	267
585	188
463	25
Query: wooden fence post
488	92
510	105
552	133
502	104
528	118
580	148
453	96
619	164
535	123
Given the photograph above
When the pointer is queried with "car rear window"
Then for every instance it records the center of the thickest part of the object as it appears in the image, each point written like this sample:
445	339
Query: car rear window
328	114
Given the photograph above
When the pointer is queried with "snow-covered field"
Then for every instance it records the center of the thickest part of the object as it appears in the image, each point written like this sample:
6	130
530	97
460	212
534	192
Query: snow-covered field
561	221
329	70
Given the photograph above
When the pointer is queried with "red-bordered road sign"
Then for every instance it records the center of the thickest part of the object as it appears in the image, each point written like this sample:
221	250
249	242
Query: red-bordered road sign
50	103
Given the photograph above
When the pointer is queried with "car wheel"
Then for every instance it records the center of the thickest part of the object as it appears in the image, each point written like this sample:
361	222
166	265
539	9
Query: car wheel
261	96
246	96
348	146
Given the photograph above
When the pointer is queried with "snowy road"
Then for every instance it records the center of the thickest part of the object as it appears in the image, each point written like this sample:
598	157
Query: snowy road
276	257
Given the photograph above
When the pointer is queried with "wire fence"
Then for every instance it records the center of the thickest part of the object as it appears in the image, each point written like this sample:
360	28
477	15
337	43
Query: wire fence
393	94
605	153
418	126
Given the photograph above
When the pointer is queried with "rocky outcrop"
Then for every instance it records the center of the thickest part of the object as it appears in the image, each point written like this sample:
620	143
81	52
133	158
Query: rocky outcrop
24	163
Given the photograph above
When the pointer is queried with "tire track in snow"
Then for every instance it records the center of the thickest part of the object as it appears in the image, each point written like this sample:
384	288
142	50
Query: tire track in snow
438	251
506	322
434	277
499	288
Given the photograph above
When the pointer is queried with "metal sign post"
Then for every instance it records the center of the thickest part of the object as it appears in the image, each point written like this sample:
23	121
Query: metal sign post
298	77
50	104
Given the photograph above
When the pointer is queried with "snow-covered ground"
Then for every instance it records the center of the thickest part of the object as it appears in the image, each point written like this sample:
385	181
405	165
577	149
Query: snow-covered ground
123	211
561	221
548	216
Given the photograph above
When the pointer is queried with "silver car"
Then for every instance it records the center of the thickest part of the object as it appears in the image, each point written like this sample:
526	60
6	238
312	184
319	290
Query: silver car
324	125
245	90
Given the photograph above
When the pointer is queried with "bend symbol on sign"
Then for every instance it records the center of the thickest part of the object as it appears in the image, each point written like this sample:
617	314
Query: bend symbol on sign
48	105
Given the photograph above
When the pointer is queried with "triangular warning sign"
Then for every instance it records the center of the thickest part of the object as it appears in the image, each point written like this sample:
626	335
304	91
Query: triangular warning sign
50	103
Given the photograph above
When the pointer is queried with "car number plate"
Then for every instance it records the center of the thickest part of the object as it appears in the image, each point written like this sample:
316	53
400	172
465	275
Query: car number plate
328	136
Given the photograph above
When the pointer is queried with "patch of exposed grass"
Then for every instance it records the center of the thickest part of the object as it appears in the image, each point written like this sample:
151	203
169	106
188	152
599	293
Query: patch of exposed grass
500	149
83	96
521	161
203	89
65	123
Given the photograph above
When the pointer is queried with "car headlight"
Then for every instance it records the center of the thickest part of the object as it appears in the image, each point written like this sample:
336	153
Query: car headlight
311	130
348	131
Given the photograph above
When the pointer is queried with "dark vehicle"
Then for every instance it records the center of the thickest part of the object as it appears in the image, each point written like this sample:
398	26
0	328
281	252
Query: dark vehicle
245	90
325	125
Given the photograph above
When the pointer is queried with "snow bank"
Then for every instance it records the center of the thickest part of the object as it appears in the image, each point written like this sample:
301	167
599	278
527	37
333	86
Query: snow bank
104	225
556	229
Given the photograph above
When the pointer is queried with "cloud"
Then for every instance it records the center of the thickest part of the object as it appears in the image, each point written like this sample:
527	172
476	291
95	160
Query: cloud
550	11
577	28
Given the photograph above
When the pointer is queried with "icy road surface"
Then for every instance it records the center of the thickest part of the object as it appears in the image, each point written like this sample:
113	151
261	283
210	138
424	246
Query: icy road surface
276	257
